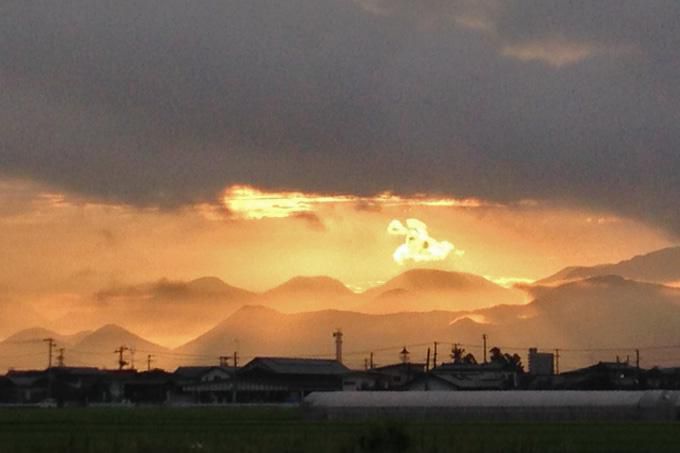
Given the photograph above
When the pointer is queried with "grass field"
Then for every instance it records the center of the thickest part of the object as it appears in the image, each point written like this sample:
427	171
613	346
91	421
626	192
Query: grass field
285	430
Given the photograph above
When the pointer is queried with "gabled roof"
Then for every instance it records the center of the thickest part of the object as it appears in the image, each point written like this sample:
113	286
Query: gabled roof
80	371
397	366
29	377
462	367
471	383
284	365
156	376
192	372
602	367
671	371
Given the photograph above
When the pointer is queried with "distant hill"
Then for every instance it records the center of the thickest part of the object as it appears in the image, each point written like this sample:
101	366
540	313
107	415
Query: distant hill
264	331
27	348
661	266
39	333
167	311
16	315
309	294
434	280
429	289
97	348
607	312
603	312
317	284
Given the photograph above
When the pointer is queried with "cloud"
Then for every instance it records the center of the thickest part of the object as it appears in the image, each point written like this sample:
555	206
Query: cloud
166	103
554	53
312	220
418	245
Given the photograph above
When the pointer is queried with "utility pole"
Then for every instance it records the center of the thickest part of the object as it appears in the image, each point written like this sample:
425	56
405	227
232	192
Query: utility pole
60	358
120	351
434	358
149	359
51	344
637	359
132	358
427	362
484	341
234	384
557	361
370	362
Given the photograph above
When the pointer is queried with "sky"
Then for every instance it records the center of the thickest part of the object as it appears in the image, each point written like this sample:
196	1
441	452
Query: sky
259	140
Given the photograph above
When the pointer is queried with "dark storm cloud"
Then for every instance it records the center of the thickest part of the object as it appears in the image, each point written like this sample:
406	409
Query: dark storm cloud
167	102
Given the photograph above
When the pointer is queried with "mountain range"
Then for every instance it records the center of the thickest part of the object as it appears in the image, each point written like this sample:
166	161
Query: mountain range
661	266
594	317
172	312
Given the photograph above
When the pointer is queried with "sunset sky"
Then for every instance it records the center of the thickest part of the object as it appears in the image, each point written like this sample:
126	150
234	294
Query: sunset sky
259	140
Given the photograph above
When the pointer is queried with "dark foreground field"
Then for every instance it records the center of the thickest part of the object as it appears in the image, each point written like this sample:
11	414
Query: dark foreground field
285	430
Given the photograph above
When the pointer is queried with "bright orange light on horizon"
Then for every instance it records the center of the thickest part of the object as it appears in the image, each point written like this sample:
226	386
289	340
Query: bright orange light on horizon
252	203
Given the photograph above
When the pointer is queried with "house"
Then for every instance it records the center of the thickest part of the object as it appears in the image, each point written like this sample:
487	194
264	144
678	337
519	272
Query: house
601	376
76	385
365	380
661	378
30	386
7	390
469	376
278	379
149	387
399	376
432	382
195	374
206	384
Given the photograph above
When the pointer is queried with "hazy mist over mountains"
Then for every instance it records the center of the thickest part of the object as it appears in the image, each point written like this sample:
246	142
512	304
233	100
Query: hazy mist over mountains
613	306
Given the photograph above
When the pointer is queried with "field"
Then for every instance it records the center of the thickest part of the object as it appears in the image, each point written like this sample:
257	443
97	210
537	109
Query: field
285	430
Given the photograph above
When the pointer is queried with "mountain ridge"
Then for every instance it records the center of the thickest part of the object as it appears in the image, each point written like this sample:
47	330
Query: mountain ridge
658	266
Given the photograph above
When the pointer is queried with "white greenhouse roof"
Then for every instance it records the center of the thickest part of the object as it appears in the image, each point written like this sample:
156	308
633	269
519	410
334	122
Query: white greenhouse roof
552	398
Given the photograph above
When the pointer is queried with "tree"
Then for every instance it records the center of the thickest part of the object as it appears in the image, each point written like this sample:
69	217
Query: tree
511	362
459	357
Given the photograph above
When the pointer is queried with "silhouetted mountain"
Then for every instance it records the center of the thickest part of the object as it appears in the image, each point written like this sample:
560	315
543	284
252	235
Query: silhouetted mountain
602	312
216	286
39	333
660	266
318	284
27	348
167	311
97	348
264	331
17	315
112	336
434	280
429	289
309	294
33	333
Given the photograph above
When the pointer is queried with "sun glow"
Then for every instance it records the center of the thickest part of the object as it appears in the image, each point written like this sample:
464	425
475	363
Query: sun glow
251	203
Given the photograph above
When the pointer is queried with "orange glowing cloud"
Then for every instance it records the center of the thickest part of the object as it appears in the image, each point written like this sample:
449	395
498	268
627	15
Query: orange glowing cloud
418	246
251	203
